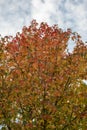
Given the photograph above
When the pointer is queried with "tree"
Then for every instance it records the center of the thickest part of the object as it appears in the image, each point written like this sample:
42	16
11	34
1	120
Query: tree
41	83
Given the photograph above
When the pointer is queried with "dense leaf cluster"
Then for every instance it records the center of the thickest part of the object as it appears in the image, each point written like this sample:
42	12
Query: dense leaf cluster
41	83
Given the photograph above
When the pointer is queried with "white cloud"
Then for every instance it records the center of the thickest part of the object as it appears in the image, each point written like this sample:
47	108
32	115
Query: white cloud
14	14
42	10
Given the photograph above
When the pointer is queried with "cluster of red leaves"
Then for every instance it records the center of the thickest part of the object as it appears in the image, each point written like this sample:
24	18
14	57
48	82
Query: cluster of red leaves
40	82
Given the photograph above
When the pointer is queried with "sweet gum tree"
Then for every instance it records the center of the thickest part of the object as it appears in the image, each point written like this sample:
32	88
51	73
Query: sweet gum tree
41	83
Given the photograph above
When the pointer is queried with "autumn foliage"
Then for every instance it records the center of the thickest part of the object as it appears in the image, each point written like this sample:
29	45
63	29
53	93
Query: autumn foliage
41	83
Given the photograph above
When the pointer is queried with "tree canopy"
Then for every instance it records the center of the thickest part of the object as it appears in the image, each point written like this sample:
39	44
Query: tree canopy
41	83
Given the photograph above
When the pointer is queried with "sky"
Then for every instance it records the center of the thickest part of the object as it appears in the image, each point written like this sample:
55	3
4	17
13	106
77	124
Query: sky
14	14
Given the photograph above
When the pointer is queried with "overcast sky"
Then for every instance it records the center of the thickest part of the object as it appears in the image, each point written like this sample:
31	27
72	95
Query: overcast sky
14	14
